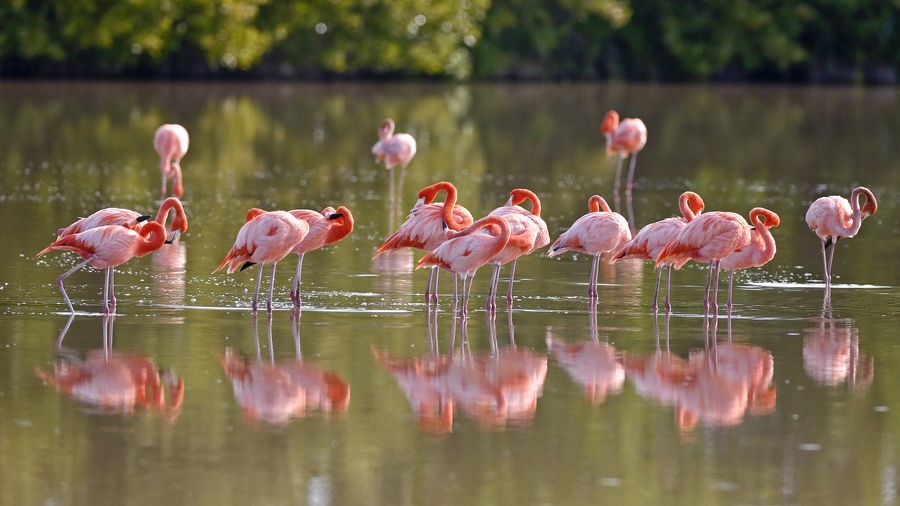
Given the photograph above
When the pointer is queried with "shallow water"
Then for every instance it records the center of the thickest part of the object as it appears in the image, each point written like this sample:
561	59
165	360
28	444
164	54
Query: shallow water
791	401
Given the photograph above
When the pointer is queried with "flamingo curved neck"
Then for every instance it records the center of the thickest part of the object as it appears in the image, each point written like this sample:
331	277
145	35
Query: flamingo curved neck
449	203
170	203
523	195
765	231
596	203
684	205
153	236
856	220
500	240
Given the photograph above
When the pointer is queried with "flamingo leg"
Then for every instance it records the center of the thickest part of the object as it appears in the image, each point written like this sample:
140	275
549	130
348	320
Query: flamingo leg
106	293
434	288
255	302
63	276
464	276
165	178
592	282
825	266
831	258
455	289
428	286
669	290
112	289
468	293
616	183
654	307
706	298
179	189
730	285
490	305
715	293
512	276
630	181
295	286
271	288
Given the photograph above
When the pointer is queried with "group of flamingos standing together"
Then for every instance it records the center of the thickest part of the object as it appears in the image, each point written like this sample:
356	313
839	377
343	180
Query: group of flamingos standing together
454	241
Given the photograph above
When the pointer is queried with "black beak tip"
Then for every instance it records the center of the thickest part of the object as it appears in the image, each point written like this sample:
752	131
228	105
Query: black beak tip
169	242
335	216
143	218
444	224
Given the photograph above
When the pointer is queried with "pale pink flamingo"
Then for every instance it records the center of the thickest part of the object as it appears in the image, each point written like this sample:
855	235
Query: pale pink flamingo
528	233
759	252
265	239
709	237
171	143
624	139
597	232
467	251
427	227
652	238
394	150
834	217
131	219
105	248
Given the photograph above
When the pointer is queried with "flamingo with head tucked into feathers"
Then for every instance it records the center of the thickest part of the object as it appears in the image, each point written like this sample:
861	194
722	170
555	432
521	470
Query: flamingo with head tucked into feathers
131	219
758	252
624	139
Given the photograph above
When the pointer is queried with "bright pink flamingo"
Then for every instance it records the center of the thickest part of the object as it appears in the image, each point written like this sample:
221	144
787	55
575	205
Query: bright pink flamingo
833	217
759	252
171	143
709	237
131	219
393	149
651	239
427	227
468	251
105	248
265	239
624	139
597	232
528	233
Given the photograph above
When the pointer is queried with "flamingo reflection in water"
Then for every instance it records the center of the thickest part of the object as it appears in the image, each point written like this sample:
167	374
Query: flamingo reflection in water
831	353
169	266
115	382
277	392
496	388
595	365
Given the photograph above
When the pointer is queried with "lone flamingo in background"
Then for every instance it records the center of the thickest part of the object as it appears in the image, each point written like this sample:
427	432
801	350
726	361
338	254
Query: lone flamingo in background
426	228
105	248
265	238
759	252
597	232
651	239
624	139
131	219
833	217
394	150
171	143
468	251
528	233
709	237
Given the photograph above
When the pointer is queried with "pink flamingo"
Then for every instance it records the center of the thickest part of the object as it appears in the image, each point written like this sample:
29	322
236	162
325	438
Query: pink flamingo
105	248
624	139
171	143
393	149
759	252
131	219
597	232
426	227
468	251
652	238
833	217
266	238
709	237
528	233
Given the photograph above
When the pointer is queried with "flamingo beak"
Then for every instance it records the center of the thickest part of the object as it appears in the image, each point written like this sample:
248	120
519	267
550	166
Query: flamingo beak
335	216
142	218
175	235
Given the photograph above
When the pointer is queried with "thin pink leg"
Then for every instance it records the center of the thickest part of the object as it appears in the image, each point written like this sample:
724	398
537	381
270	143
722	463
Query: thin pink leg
617	183
271	288
106	293
706	298
491	305
428	286
165	177
512	276
593	293
112	289
63	276
468	293
455	289
825	267
255	303
831	259
669	290
715	293
730	285
295	286
434	288
630	181
654	307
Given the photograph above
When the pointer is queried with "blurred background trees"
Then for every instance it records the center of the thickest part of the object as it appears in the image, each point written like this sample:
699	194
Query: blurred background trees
725	40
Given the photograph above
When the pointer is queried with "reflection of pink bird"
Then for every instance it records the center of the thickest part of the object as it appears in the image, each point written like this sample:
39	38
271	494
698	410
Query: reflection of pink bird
597	232
624	139
709	237
760	250
594	365
528	233
171	143
651	239
105	248
393	149
833	217
468	251
265	239
130	219
427	224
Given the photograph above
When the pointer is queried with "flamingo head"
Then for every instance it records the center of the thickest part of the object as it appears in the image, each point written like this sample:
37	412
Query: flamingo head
429	193
342	224
253	212
871	205
610	122
693	202
770	219
386	130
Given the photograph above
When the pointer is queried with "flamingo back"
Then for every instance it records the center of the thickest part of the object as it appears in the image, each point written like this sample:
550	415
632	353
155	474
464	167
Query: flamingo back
318	225
424	228
650	240
593	234
265	239
708	237
830	216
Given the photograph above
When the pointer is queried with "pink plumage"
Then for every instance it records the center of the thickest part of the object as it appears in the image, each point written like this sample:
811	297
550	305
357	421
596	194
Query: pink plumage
626	137
128	219
424	227
709	237
393	149
265	239
171	143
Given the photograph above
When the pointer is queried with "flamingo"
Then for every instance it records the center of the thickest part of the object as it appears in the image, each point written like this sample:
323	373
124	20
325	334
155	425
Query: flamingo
652	238
528	233
394	150
759	252
426	227
624	139
834	217
467	251
709	237
171	143
105	248
131	219
265	238
597	232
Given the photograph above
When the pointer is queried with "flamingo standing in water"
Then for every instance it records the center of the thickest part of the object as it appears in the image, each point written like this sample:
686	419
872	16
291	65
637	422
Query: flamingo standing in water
834	217
652	238
759	252
426	228
709	237
131	219
625	138
265	238
597	232
528	233
394	150
105	248
171	143
467	251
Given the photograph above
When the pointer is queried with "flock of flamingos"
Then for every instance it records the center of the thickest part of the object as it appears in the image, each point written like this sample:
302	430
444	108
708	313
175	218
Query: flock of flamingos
454	241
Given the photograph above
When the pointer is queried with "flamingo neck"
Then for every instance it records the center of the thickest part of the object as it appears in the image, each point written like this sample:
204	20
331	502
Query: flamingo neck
763	228
689	212
387	130
340	227
153	236
170	203
500	239
856	221
596	203
449	203
521	195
